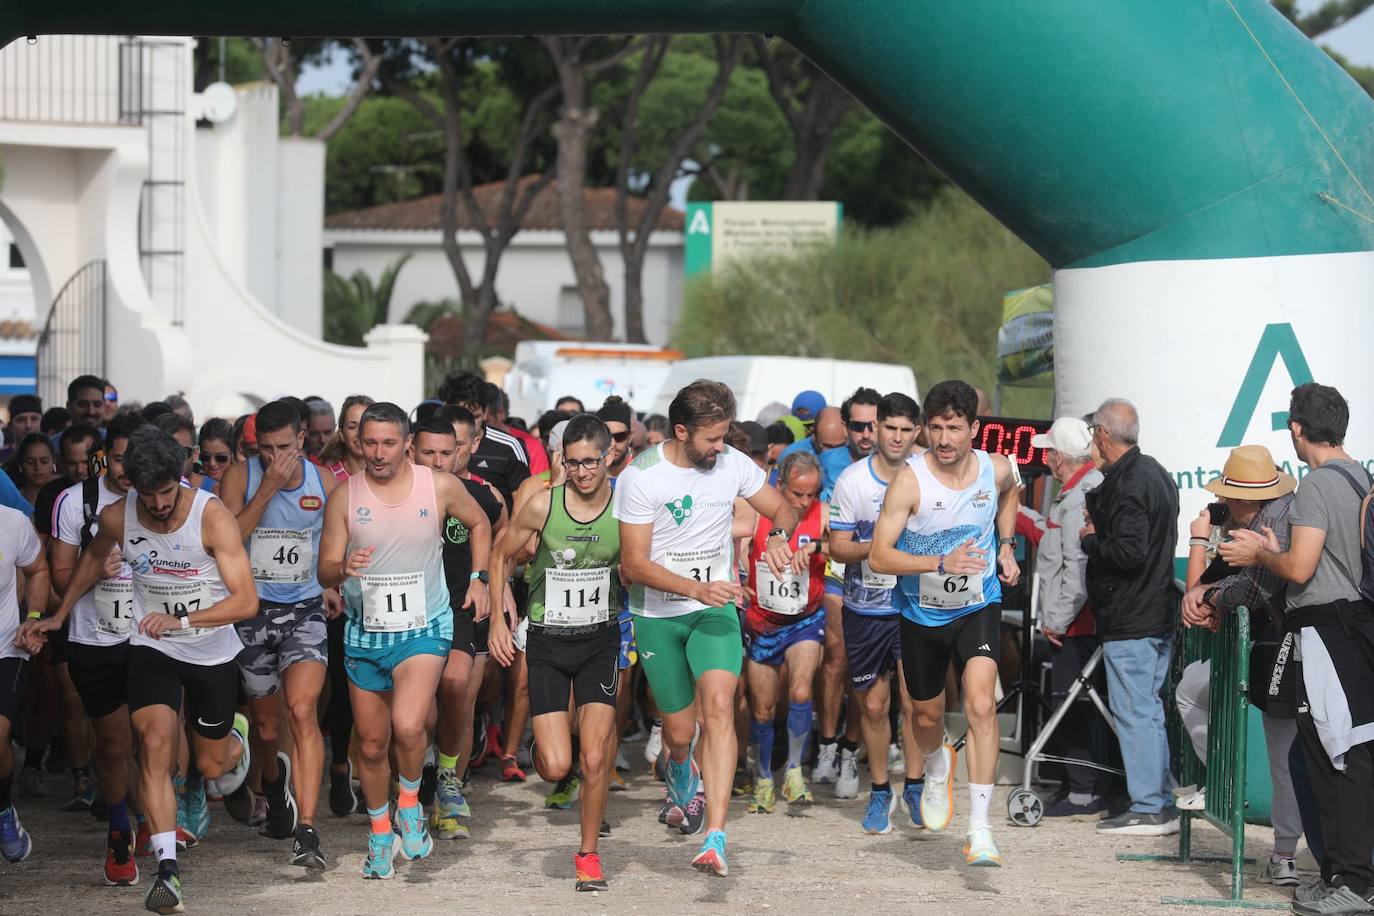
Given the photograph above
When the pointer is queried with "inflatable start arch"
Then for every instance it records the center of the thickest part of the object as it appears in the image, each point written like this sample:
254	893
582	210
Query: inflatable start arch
1198	173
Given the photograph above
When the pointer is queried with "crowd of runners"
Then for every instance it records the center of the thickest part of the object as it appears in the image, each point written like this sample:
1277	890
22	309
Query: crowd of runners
371	605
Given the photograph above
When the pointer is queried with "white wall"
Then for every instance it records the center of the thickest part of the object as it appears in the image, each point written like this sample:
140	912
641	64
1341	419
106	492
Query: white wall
299	264
534	271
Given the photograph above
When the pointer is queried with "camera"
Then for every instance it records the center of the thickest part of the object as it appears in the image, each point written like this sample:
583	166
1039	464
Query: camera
1218	513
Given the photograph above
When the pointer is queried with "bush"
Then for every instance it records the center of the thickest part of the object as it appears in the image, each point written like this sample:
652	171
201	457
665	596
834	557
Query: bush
927	293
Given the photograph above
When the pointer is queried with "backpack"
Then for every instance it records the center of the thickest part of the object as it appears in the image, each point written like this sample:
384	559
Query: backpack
1366	494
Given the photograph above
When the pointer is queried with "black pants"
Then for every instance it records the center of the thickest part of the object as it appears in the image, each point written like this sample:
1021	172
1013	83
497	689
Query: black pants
1345	802
1084	733
338	718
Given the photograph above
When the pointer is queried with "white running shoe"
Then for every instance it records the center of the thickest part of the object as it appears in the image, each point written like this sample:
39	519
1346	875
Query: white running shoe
979	849
827	768
937	798
654	746
847	784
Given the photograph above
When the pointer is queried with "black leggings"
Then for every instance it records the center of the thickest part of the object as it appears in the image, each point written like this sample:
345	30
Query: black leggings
338	718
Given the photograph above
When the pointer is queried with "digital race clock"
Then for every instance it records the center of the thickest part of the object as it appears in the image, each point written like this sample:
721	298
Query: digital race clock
1012	437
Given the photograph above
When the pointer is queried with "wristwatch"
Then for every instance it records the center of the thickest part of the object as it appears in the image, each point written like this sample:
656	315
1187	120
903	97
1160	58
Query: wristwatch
480	576
1007	541
778	532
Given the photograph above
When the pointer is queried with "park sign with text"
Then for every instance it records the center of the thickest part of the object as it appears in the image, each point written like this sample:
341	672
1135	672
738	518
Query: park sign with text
720	231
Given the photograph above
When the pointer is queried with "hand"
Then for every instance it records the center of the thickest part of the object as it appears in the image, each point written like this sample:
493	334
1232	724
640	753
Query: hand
1246	546
114	563
333	603
500	642
278	474
777	554
1201	527
1193	599
512	613
1011	570
718	594
479	599
1056	638
33	634
358	562
1197	614
1086	530
966	560
158	625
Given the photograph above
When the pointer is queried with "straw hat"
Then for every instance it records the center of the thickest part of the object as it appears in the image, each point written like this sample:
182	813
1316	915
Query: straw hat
1250	473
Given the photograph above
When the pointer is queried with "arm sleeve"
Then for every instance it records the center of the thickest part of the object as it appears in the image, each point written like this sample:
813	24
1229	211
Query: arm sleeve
633	503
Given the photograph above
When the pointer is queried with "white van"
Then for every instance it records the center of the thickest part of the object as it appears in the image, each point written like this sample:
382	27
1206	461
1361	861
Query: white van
546	370
760	380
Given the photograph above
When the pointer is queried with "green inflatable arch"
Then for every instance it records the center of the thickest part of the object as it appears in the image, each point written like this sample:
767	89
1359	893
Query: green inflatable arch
1100	133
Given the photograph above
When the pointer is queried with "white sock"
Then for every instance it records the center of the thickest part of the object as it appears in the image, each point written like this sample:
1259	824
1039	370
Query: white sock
165	845
937	766
979	798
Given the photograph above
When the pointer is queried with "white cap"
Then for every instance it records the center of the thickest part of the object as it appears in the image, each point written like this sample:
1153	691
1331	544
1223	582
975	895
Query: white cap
1069	436
556	435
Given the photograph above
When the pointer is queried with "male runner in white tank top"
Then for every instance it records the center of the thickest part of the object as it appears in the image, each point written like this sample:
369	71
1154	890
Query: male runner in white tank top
942	518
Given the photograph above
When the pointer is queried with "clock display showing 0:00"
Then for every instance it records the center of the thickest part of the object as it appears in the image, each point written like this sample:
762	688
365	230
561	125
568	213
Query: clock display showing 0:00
1012	437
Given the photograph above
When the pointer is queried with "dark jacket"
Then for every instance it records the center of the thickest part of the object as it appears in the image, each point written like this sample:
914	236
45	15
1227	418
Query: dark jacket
1131	557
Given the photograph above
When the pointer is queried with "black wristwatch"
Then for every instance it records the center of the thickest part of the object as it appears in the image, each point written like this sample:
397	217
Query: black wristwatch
777	532
481	576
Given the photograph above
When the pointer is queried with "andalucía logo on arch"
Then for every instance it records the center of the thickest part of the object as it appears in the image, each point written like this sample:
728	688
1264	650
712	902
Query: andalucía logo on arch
1277	343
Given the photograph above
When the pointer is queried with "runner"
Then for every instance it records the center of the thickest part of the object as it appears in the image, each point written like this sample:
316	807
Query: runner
618	417
19	551
872	630
191	579
675	507
498	457
278	500
573	645
436	447
786	623
936	533
381	543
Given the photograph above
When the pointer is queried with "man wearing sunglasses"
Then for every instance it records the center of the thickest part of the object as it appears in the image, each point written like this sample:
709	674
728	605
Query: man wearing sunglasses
837	760
618	417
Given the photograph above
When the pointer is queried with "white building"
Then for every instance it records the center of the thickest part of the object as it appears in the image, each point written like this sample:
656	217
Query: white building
536	277
170	253
18	340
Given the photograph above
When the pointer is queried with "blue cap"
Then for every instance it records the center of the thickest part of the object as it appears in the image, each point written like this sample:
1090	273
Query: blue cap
808	405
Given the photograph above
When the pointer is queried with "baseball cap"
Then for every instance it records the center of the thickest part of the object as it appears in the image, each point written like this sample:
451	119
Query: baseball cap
250	429
758	437
799	429
808	405
1068	436
556	435
25	403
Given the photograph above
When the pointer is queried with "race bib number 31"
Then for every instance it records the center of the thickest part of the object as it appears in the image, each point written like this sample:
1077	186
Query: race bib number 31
577	597
281	555
114	606
950	592
394	603
707	564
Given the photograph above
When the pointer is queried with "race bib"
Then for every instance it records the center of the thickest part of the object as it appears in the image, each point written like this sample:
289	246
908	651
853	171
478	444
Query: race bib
706	564
577	597
114	606
281	555
394	603
177	599
871	579
782	596
950	591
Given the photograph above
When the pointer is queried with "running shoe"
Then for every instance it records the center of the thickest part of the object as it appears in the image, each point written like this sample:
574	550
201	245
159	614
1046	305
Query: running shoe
305	852
15	843
282	814
448	827
763	801
605	829
186	838
937	796
684	779
711	856
794	789
429	777
564	793
654	746
618	783
165	895
827	768
143	840
510	769
1280	872
342	799
448	795
589	876
478	755
120	868
83	795
226	784
620	762
491	747
524	754
694	815
979	849
847	783
911	802
239	804
380	863
416	843
743	785
197	811
259	815
878	818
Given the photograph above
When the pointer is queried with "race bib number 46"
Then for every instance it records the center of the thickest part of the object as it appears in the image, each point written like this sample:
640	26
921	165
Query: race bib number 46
950	592
707	564
577	597
394	603
281	555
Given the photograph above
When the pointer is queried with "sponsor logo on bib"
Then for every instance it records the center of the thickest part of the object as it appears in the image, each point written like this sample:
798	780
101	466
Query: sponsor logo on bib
311	503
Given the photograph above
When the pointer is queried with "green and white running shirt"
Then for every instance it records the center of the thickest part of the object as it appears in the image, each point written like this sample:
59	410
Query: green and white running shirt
691	512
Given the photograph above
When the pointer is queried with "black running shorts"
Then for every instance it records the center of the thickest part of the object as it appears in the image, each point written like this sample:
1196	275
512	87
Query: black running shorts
156	679
927	651
587	663
100	675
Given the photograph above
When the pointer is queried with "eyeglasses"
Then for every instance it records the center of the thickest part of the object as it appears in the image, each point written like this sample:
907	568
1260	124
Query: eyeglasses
587	464
861	426
112	397
621	436
1093	428
189	450
219	458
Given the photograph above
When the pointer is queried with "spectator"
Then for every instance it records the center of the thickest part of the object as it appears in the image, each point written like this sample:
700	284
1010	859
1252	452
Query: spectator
1255	496
1335	674
55	421
1129	540
1066	616
86	400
